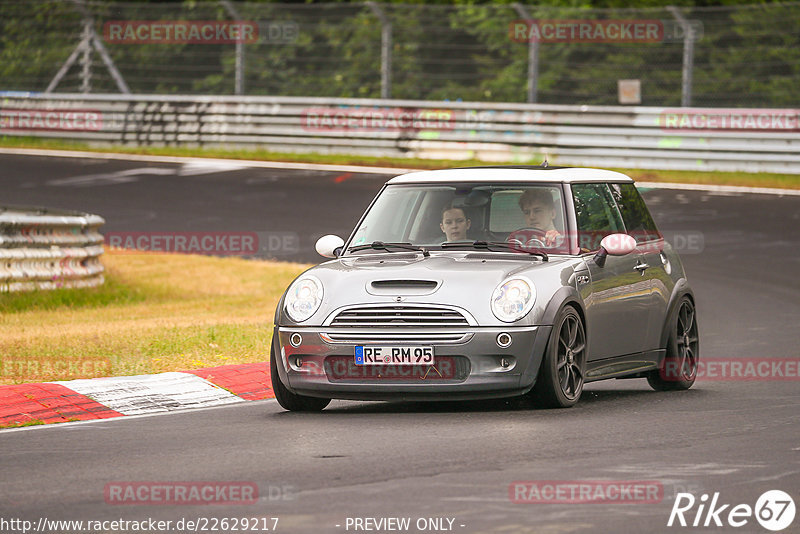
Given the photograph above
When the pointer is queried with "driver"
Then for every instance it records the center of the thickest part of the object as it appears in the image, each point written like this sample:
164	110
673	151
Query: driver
454	223
540	214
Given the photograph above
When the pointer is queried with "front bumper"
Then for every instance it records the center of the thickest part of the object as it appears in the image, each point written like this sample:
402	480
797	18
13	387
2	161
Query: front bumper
469	363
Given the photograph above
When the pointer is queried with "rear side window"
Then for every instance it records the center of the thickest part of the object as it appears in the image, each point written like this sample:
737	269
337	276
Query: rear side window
635	214
596	214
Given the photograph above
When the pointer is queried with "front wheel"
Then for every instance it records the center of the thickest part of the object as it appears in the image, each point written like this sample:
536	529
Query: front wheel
679	369
291	401
561	377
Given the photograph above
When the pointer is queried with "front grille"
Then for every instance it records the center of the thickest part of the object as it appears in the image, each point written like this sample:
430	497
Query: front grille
400	316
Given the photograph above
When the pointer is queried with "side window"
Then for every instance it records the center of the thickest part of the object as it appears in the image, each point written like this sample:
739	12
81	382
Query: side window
596	213
635	214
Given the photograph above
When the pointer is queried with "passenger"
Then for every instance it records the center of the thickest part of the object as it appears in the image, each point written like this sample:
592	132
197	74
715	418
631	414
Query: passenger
540	214
454	223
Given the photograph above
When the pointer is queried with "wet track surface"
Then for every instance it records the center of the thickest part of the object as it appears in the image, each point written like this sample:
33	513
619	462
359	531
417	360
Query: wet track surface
736	437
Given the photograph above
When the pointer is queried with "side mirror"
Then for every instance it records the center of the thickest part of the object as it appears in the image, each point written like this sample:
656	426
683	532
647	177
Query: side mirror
327	246
615	245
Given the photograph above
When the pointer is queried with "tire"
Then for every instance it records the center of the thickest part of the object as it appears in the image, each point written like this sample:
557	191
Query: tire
561	377
288	400
679	369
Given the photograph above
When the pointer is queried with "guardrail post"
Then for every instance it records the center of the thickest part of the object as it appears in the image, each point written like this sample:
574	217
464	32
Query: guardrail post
688	56
533	59
386	49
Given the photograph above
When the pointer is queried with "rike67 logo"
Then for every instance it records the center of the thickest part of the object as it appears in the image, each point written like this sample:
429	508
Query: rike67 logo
774	510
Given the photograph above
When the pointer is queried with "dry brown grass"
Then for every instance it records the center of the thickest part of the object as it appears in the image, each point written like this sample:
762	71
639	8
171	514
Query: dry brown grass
157	312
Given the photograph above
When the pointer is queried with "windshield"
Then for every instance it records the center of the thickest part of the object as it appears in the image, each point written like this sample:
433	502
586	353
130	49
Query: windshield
531	216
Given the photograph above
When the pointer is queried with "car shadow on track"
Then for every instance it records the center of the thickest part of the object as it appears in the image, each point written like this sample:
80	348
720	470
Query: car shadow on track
605	398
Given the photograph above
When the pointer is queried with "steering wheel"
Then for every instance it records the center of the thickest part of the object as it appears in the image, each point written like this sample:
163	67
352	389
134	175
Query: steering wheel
528	237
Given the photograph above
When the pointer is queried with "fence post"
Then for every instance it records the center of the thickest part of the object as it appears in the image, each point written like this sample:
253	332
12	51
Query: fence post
239	80
86	58
533	59
688	57
386	49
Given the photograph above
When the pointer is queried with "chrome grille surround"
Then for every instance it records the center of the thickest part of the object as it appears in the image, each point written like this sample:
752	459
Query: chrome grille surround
398	323
400	315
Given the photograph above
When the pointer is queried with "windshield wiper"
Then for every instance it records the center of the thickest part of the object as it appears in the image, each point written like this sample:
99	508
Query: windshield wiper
380	245
488	245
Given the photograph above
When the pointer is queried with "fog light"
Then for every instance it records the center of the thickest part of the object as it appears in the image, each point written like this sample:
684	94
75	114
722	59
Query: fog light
504	363
299	362
503	340
295	339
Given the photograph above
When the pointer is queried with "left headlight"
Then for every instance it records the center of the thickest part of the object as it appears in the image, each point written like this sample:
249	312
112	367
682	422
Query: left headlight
303	298
513	299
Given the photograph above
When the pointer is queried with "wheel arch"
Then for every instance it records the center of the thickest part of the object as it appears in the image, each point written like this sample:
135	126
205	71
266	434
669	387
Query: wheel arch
680	290
565	296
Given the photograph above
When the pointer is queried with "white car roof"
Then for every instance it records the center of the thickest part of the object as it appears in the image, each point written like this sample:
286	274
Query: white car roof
512	174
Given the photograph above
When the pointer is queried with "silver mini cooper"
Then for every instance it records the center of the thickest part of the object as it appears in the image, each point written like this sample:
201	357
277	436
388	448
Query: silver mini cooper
488	282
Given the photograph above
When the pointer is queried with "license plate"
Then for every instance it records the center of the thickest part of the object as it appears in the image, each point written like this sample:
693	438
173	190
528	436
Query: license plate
387	354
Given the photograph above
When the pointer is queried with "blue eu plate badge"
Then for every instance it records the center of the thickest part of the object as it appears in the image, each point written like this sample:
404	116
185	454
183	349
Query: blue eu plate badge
359	355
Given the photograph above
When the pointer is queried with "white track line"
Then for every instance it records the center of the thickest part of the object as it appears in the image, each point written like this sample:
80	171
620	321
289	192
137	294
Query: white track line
69	424
721	188
218	161
349	168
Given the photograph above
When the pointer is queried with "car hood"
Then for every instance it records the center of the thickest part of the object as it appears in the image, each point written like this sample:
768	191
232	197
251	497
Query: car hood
465	280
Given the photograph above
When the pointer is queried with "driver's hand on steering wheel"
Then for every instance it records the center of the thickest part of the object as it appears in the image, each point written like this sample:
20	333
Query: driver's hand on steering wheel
551	237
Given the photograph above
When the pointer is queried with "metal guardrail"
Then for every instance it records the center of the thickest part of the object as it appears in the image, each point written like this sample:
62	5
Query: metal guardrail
751	140
49	249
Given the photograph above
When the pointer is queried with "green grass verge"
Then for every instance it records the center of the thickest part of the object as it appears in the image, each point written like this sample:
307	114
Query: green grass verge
113	291
784	181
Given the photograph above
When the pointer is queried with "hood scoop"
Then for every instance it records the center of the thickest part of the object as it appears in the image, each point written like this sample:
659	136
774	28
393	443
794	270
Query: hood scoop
403	287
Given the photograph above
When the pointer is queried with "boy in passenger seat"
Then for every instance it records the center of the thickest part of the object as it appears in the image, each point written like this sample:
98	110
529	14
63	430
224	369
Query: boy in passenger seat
454	223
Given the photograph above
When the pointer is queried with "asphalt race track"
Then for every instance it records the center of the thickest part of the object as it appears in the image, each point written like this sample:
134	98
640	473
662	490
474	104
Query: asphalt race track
413	460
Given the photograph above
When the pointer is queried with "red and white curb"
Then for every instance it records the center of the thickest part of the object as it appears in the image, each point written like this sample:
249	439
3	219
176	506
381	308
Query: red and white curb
103	398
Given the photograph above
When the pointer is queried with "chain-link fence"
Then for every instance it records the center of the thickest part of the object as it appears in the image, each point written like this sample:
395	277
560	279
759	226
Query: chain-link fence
742	56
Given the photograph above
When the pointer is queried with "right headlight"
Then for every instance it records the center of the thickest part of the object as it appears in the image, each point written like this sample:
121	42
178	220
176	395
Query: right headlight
513	299
303	298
